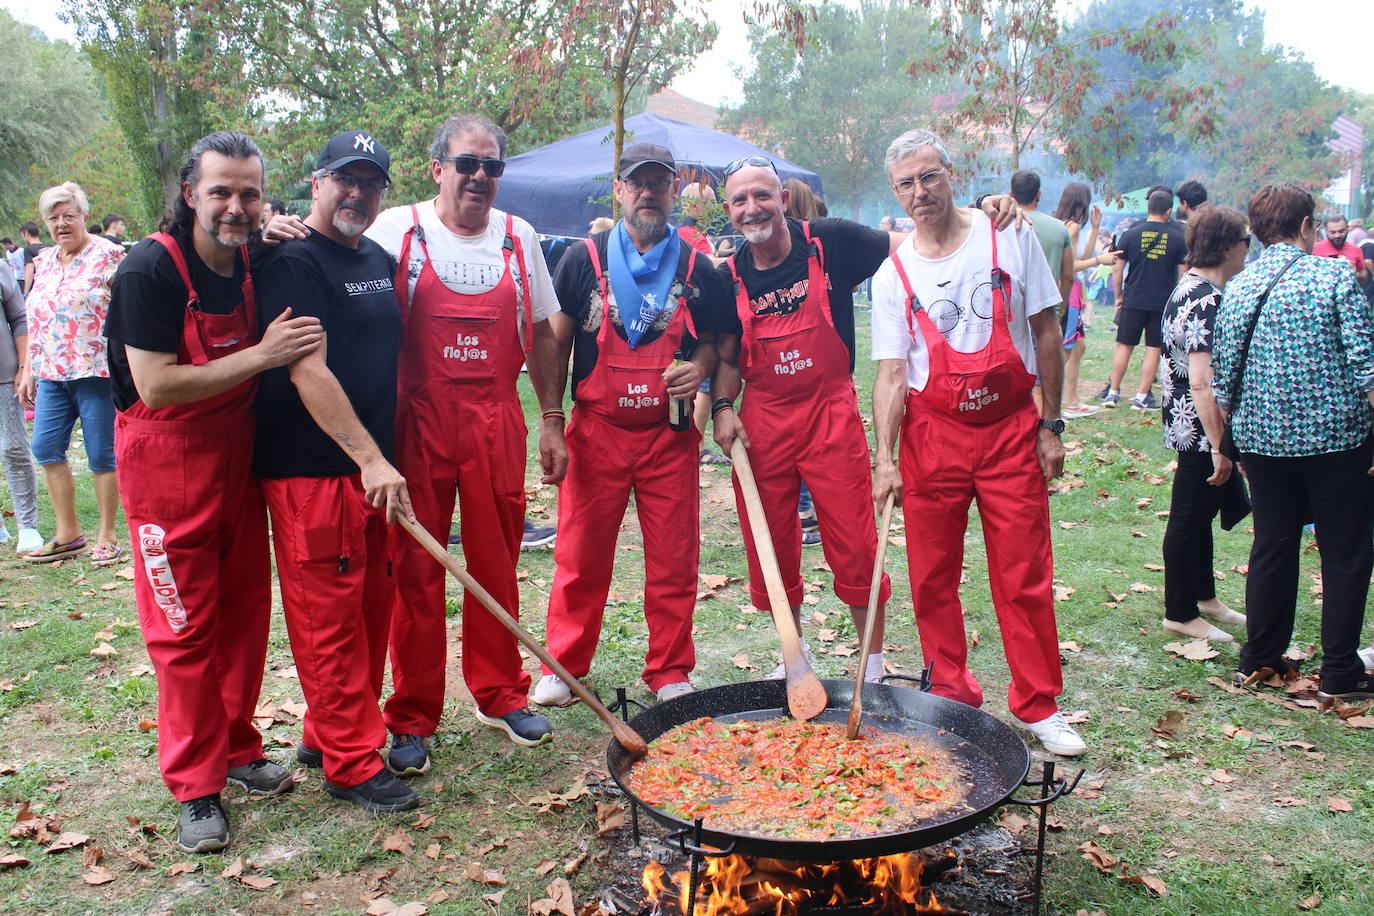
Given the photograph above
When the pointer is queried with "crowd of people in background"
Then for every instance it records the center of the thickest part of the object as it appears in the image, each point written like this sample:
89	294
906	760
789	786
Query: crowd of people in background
358	367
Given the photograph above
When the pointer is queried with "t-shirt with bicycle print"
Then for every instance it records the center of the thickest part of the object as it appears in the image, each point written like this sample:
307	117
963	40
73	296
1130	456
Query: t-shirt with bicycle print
956	292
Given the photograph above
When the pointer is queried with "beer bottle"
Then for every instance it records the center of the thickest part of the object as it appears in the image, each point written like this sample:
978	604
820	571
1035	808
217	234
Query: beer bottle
679	409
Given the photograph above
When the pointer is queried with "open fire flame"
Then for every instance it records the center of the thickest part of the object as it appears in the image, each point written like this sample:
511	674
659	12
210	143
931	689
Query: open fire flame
743	886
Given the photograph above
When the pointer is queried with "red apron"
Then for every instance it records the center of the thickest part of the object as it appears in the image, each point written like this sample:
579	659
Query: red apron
618	441
460	437
971	433
199	532
802	415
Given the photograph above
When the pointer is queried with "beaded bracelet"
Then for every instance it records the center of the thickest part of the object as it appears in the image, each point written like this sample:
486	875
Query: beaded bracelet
553	412
720	404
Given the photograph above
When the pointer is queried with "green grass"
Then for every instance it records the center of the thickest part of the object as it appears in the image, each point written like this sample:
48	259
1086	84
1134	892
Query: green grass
70	728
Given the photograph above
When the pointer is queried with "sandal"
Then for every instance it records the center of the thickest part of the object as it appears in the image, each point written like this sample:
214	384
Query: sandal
105	554
53	549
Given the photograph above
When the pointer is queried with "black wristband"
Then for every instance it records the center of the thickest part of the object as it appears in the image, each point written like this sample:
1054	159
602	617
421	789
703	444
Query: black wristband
720	404
978	201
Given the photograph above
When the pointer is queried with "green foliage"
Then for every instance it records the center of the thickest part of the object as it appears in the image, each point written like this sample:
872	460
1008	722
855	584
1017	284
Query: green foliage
835	104
39	78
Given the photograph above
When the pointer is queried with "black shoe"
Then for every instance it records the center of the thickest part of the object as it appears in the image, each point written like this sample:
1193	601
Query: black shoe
1362	689
707	456
1102	395
383	792
202	826
262	778
810	538
409	755
521	726
535	536
1146	401
308	756
454	538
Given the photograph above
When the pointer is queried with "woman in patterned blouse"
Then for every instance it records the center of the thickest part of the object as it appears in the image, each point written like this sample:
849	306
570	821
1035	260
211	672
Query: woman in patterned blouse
1300	404
1217	244
67	376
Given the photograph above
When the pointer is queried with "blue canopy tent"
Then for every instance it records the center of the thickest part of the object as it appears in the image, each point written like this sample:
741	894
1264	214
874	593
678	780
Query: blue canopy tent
556	187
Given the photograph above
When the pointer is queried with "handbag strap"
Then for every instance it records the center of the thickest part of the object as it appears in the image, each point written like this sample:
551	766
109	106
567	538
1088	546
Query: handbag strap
1239	371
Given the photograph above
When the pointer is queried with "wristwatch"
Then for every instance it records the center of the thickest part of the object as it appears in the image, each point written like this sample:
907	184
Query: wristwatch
1055	426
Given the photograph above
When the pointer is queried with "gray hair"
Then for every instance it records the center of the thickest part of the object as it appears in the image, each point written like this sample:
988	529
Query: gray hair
460	124
911	142
66	193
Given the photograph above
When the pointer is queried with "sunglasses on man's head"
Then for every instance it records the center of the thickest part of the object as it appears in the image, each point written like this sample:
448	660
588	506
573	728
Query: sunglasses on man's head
468	165
740	163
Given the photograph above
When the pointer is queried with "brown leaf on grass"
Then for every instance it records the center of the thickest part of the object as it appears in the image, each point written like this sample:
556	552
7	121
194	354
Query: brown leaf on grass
432	851
423	822
141	670
1103	860
126	573
13	860
91	856
495	897
296	710
1152	884
1338	805
1220	775
98	875
819	617
716	582
810	599
1078	717
476	871
1310	903
1012	823
399	841
181	868
826	634
138	858
544	867
1138	534
1062	592
257	882
1196	649
234	869
1154	567
1070	646
1143	502
1141	588
68	840
609	816
1168	724
846	651
549	800
1067	525
23	624
574	865
1360	721
974	638
108	587
1288	801
560	900
385	906
104	650
147	725
1183	693
742	661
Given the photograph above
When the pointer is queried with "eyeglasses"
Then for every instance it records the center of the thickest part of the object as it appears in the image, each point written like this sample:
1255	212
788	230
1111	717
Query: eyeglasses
928	180
1244	240
760	161
63	218
468	165
349	182
653	185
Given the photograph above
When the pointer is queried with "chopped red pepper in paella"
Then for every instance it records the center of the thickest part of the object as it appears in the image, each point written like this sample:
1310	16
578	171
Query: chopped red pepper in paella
801	780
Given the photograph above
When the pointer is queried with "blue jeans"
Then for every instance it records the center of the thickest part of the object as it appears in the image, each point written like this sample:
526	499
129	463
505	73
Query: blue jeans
56	409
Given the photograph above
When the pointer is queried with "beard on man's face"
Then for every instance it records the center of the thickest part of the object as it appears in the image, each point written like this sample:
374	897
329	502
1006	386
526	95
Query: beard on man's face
646	221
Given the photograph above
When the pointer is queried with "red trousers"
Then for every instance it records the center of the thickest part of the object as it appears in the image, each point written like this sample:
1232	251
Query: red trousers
202	583
821	441
336	589
606	462
945	465
474	452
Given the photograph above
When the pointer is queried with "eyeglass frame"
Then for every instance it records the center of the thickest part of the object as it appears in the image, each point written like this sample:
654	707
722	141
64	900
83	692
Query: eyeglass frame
928	180
494	168
741	162
369	186
638	185
64	219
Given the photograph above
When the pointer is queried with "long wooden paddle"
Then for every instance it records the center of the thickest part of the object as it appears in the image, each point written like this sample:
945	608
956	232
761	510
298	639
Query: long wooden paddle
805	693
626	736
856	705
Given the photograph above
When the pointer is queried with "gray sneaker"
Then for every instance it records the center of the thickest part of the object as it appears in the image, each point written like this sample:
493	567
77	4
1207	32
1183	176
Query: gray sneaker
262	778
1146	401
202	826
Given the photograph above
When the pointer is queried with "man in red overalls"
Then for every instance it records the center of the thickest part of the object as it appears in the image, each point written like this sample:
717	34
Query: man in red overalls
477	298
963	316
643	309
185	354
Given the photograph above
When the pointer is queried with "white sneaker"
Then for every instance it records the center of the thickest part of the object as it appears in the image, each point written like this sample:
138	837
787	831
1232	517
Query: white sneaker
1222	614
1367	656
551	691
29	540
1056	735
780	672
1197	628
4	534
1077	411
675	689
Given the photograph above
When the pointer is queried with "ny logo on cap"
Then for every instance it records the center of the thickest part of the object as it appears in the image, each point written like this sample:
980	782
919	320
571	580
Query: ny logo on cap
365	143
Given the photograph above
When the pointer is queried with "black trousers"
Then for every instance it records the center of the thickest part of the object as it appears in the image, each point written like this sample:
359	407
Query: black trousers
1341	494
1188	538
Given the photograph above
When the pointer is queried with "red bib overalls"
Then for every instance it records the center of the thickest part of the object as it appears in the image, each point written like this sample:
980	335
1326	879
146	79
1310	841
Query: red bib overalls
802	415
202	577
460	434
619	441
971	432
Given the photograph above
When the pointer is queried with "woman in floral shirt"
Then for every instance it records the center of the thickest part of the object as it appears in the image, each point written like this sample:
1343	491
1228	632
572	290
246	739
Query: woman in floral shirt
1217	243
1300	403
67	376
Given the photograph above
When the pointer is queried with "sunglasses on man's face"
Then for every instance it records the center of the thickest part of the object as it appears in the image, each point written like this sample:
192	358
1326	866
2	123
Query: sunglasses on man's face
468	165
759	161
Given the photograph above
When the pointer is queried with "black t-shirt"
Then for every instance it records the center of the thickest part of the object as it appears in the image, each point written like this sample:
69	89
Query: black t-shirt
851	253
31	252
1154	252
148	305
352	292
579	297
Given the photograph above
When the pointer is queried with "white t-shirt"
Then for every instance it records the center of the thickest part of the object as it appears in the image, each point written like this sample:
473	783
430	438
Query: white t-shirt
958	289
469	264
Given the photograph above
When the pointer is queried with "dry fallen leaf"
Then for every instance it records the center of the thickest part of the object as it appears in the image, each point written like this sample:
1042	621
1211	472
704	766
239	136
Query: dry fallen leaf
1310	903
495	897
13	860
1288	801
1069	645
1011	822
104	650
609	816
1196	649
399	841
23	624
1141	588
714	582
1062	592
1154	567
99	874
68	841
257	882
742	661
1098	856
544	867
1220	775
560	900
1338	805
1078	717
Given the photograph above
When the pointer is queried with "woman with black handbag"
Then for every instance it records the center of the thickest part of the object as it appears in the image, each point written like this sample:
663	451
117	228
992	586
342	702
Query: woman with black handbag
1294	359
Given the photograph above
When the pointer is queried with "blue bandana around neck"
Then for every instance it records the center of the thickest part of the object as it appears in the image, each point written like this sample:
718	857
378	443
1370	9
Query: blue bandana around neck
641	281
